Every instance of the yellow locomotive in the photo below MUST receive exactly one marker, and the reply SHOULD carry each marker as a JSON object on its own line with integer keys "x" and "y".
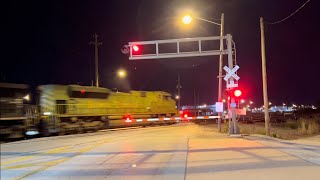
{"x": 74, "y": 108}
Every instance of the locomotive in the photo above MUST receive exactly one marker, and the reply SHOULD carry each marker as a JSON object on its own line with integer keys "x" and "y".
{"x": 65, "y": 109}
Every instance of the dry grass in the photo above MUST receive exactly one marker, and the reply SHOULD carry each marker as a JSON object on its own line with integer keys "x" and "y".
{"x": 292, "y": 129}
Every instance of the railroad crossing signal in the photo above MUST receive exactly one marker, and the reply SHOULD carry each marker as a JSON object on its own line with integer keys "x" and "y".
{"x": 231, "y": 72}
{"x": 157, "y": 52}
{"x": 133, "y": 47}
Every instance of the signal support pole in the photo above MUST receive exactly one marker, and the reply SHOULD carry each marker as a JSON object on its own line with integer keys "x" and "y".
{"x": 264, "y": 79}
{"x": 220, "y": 69}
{"x": 96, "y": 44}
{"x": 233, "y": 108}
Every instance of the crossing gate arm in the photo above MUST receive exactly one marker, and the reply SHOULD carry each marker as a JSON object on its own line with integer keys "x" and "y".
{"x": 179, "y": 52}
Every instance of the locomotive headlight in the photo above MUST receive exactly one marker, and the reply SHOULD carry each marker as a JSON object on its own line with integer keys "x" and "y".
{"x": 27, "y": 97}
{"x": 47, "y": 113}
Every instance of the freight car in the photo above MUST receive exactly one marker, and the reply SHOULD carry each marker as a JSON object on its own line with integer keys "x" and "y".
{"x": 75, "y": 109}
{"x": 15, "y": 110}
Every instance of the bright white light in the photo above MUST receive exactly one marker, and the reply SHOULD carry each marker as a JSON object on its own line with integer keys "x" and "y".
{"x": 27, "y": 97}
{"x": 177, "y": 97}
{"x": 243, "y": 101}
{"x": 251, "y": 102}
{"x": 32, "y": 133}
{"x": 187, "y": 19}
{"x": 47, "y": 113}
{"x": 270, "y": 103}
{"x": 223, "y": 100}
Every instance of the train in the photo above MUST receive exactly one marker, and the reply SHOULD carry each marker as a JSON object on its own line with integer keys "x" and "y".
{"x": 68, "y": 109}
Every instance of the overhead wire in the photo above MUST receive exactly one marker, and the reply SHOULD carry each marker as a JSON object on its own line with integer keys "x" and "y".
{"x": 282, "y": 20}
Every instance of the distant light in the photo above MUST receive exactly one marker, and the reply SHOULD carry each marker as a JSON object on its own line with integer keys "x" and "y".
{"x": 177, "y": 97}
{"x": 185, "y": 116}
{"x": 204, "y": 105}
{"x": 251, "y": 102}
{"x": 270, "y": 103}
{"x": 243, "y": 101}
{"x": 187, "y": 19}
{"x": 223, "y": 100}
{"x": 82, "y": 91}
{"x": 283, "y": 104}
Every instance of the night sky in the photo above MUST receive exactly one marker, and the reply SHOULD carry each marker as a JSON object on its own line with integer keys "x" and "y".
{"x": 47, "y": 42}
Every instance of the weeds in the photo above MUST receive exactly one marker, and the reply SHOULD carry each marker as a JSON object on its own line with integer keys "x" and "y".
{"x": 292, "y": 129}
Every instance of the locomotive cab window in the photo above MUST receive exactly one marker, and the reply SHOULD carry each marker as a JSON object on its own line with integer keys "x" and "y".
{"x": 166, "y": 98}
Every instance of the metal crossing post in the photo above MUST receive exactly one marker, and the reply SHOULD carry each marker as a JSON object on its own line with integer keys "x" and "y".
{"x": 232, "y": 104}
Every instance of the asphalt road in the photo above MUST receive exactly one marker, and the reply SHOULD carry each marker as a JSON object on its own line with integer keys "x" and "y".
{"x": 183, "y": 151}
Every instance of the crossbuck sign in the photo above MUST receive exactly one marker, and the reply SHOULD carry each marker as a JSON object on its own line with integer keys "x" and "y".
{"x": 231, "y": 73}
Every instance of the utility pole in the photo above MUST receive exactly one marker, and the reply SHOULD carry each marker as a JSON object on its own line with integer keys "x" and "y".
{"x": 198, "y": 102}
{"x": 179, "y": 96}
{"x": 264, "y": 79}
{"x": 220, "y": 69}
{"x": 96, "y": 44}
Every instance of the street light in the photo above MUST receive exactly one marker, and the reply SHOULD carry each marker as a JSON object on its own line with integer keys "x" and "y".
{"x": 187, "y": 19}
{"x": 122, "y": 73}
{"x": 251, "y": 102}
{"x": 177, "y": 97}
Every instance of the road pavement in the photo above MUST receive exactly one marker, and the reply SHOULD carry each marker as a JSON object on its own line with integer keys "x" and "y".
{"x": 183, "y": 151}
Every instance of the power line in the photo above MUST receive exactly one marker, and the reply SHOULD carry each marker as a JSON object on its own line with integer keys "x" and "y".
{"x": 280, "y": 21}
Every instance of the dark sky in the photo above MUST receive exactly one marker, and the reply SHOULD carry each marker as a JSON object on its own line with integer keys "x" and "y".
{"x": 47, "y": 42}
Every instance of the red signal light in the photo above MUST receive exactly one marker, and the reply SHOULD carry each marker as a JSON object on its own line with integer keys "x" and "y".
{"x": 82, "y": 91}
{"x": 237, "y": 93}
{"x": 127, "y": 119}
{"x": 135, "y": 48}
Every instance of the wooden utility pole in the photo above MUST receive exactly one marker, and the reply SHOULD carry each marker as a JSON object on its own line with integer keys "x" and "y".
{"x": 264, "y": 79}
{"x": 220, "y": 69}
{"x": 96, "y": 44}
